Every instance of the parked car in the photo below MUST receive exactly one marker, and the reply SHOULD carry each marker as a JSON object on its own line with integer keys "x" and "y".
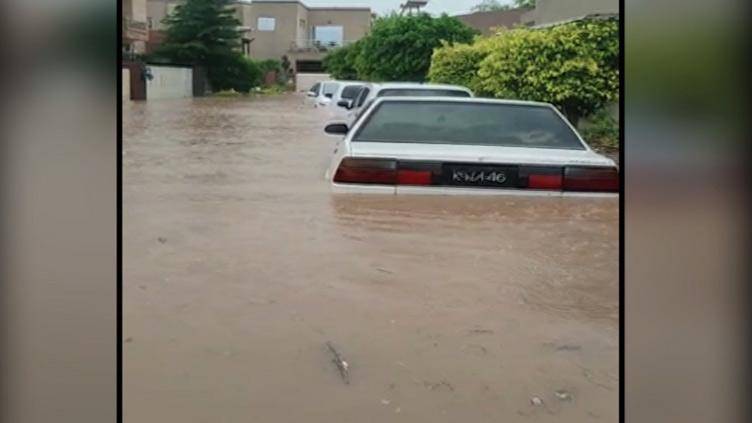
{"x": 345, "y": 96}
{"x": 440, "y": 145}
{"x": 402, "y": 89}
{"x": 325, "y": 93}
{"x": 343, "y": 99}
{"x": 314, "y": 92}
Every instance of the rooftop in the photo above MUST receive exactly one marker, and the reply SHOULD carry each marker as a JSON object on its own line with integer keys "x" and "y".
{"x": 319, "y": 7}
{"x": 484, "y": 21}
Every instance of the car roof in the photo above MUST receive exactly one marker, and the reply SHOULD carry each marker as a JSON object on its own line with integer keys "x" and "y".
{"x": 413, "y": 85}
{"x": 351, "y": 82}
{"x": 475, "y": 100}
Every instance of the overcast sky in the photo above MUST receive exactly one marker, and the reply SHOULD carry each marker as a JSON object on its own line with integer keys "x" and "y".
{"x": 381, "y": 7}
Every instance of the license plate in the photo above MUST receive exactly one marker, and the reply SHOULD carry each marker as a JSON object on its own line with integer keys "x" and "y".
{"x": 481, "y": 176}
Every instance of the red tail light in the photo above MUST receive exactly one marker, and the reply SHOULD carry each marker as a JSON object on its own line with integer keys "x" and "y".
{"x": 379, "y": 171}
{"x": 367, "y": 171}
{"x": 553, "y": 181}
{"x": 414, "y": 177}
{"x": 604, "y": 179}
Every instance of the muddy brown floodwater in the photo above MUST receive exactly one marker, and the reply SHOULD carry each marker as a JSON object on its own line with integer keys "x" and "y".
{"x": 240, "y": 266}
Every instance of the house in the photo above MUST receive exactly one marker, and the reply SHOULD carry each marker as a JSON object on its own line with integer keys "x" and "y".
{"x": 552, "y": 12}
{"x": 134, "y": 27}
{"x": 156, "y": 11}
{"x": 486, "y": 22}
{"x": 545, "y": 13}
{"x": 276, "y": 28}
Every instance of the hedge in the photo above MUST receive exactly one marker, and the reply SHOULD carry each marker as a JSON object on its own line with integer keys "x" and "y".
{"x": 574, "y": 66}
{"x": 459, "y": 63}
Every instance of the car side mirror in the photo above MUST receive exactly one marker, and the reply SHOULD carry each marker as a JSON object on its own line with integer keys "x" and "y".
{"x": 337, "y": 129}
{"x": 328, "y": 95}
{"x": 347, "y": 104}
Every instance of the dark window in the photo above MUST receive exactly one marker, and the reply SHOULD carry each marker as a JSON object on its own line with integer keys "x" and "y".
{"x": 315, "y": 88}
{"x": 420, "y": 92}
{"x": 350, "y": 92}
{"x": 330, "y": 88}
{"x": 504, "y": 125}
{"x": 309, "y": 66}
{"x": 362, "y": 97}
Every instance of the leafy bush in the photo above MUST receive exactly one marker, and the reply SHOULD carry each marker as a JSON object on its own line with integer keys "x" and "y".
{"x": 574, "y": 66}
{"x": 399, "y": 48}
{"x": 458, "y": 64}
{"x": 340, "y": 63}
{"x": 601, "y": 131}
{"x": 269, "y": 65}
{"x": 234, "y": 72}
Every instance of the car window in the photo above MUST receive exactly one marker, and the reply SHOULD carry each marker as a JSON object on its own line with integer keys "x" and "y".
{"x": 330, "y": 88}
{"x": 363, "y": 109}
{"x": 422, "y": 92}
{"x": 315, "y": 88}
{"x": 351, "y": 91}
{"x": 362, "y": 97}
{"x": 505, "y": 125}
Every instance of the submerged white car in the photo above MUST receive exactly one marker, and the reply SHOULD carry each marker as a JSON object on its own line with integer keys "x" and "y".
{"x": 440, "y": 145}
{"x": 372, "y": 91}
{"x": 343, "y": 98}
{"x": 321, "y": 94}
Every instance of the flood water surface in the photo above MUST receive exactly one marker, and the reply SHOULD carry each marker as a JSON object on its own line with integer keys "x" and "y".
{"x": 240, "y": 266}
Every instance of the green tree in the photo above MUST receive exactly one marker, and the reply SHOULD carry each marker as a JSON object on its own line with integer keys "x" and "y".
{"x": 399, "y": 48}
{"x": 205, "y": 32}
{"x": 340, "y": 63}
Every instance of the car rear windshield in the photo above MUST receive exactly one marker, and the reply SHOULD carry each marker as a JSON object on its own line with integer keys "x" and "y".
{"x": 421, "y": 92}
{"x": 351, "y": 91}
{"x": 503, "y": 125}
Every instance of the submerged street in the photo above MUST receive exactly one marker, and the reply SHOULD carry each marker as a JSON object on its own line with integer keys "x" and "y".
{"x": 239, "y": 266}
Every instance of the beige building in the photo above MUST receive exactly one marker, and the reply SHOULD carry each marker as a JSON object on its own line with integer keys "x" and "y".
{"x": 135, "y": 28}
{"x": 545, "y": 13}
{"x": 488, "y": 22}
{"x": 276, "y": 28}
{"x": 549, "y": 12}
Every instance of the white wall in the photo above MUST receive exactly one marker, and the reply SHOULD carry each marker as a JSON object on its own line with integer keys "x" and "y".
{"x": 304, "y": 81}
{"x": 126, "y": 93}
{"x": 169, "y": 82}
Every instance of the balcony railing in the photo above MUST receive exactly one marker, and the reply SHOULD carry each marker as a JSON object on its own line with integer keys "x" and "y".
{"x": 301, "y": 46}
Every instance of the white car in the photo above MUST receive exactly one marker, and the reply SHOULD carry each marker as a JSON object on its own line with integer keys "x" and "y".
{"x": 343, "y": 98}
{"x": 323, "y": 92}
{"x": 401, "y": 89}
{"x": 440, "y": 145}
{"x": 313, "y": 93}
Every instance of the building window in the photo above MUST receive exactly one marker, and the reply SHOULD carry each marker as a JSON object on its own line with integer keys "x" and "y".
{"x": 266, "y": 24}
{"x": 328, "y": 35}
